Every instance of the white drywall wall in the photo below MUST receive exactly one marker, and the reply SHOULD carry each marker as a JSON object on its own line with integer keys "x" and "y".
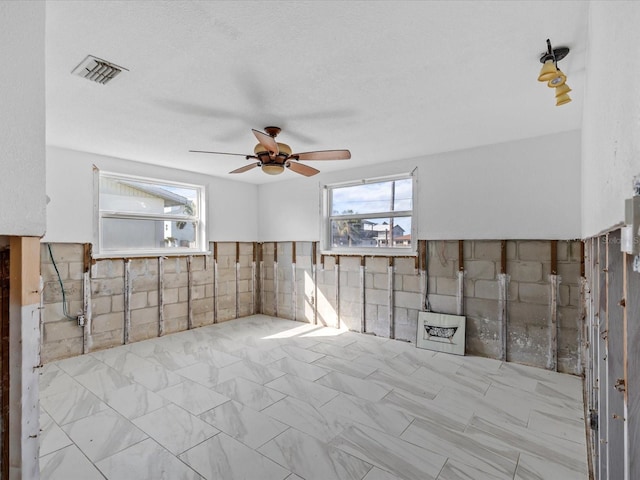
{"x": 22, "y": 118}
{"x": 231, "y": 206}
{"x": 611, "y": 121}
{"x": 528, "y": 189}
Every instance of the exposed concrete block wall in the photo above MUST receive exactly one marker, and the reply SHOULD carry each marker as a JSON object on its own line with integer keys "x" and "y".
{"x": 284, "y": 279}
{"x": 305, "y": 284}
{"x": 408, "y": 298}
{"x": 62, "y": 337}
{"x": 326, "y": 304}
{"x": 350, "y": 296}
{"x": 268, "y": 285}
{"x": 201, "y": 290}
{"x": 188, "y": 297}
{"x": 528, "y": 266}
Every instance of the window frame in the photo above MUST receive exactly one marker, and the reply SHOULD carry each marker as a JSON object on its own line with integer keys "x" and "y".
{"x": 199, "y": 218}
{"x": 326, "y": 218}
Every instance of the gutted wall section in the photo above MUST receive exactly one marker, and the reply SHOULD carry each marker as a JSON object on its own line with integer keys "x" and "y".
{"x": 128, "y": 300}
{"x": 527, "y": 293}
{"x": 521, "y": 297}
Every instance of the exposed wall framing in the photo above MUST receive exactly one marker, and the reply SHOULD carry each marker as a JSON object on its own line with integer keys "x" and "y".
{"x": 503, "y": 287}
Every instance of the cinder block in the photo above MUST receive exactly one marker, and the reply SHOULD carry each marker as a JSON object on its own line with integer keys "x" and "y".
{"x": 443, "y": 304}
{"x": 570, "y": 273}
{"x": 381, "y": 281}
{"x": 143, "y": 332}
{"x": 117, "y": 303}
{"x": 197, "y": 292}
{"x": 175, "y": 310}
{"x": 563, "y": 251}
{"x": 353, "y": 278}
{"x": 534, "y": 293}
{"x": 107, "y": 269}
{"x": 486, "y": 250}
{"x": 512, "y": 250}
{"x": 144, "y": 315}
{"x": 377, "y": 297}
{"x": 152, "y": 298}
{"x": 405, "y": 266}
{"x": 408, "y": 283}
{"x": 440, "y": 267}
{"x": 174, "y": 280}
{"x": 525, "y": 271}
{"x": 446, "y": 286}
{"x": 105, "y": 340}
{"x": 49, "y": 274}
{"x": 69, "y": 347}
{"x": 482, "y": 337}
{"x": 175, "y": 324}
{"x": 486, "y": 289}
{"x": 107, "y": 287}
{"x": 377, "y": 264}
{"x": 138, "y": 300}
{"x": 107, "y": 322}
{"x": 144, "y": 283}
{"x": 480, "y": 269}
{"x": 53, "y": 293}
{"x": 244, "y": 286}
{"x": 574, "y": 295}
{"x": 63, "y": 252}
{"x": 143, "y": 266}
{"x": 528, "y": 344}
{"x": 408, "y": 300}
{"x": 481, "y": 308}
{"x": 568, "y": 319}
{"x": 63, "y": 329}
{"x": 202, "y": 277}
{"x": 183, "y": 294}
{"x": 528, "y": 314}
{"x": 202, "y": 305}
{"x": 227, "y": 248}
{"x": 76, "y": 270}
{"x": 54, "y": 312}
{"x": 563, "y": 295}
{"x": 197, "y": 263}
{"x": 539, "y": 250}
{"x": 101, "y": 305}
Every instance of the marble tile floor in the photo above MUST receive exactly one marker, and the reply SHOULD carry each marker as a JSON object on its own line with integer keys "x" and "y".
{"x": 262, "y": 398}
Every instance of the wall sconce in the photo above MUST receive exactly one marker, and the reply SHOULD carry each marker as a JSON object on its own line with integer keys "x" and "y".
{"x": 551, "y": 74}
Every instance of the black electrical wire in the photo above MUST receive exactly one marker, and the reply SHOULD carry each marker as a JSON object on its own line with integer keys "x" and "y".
{"x": 64, "y": 296}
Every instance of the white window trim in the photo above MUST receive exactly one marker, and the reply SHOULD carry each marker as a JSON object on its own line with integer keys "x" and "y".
{"x": 325, "y": 216}
{"x": 149, "y": 252}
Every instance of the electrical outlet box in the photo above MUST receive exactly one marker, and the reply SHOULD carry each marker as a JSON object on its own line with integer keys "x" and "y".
{"x": 630, "y": 239}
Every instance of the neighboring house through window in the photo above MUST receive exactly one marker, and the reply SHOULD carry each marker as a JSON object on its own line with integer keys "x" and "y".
{"x": 137, "y": 216}
{"x": 372, "y": 216}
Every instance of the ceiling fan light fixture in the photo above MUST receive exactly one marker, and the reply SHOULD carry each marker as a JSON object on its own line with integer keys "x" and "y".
{"x": 273, "y": 168}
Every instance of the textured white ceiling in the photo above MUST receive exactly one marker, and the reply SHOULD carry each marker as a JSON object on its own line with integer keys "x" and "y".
{"x": 387, "y": 80}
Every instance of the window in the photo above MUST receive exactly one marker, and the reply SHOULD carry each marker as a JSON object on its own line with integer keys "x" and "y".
{"x": 145, "y": 216}
{"x": 373, "y": 216}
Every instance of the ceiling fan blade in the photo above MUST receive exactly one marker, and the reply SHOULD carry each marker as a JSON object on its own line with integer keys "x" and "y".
{"x": 245, "y": 168}
{"x": 302, "y": 169}
{"x": 267, "y": 141}
{"x": 222, "y": 153}
{"x": 324, "y": 155}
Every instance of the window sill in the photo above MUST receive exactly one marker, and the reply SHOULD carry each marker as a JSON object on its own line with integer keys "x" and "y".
{"x": 149, "y": 254}
{"x": 370, "y": 252}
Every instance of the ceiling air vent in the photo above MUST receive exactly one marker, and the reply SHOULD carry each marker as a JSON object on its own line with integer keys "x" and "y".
{"x": 97, "y": 70}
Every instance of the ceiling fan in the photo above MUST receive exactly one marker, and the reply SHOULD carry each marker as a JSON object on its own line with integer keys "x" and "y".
{"x": 273, "y": 157}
